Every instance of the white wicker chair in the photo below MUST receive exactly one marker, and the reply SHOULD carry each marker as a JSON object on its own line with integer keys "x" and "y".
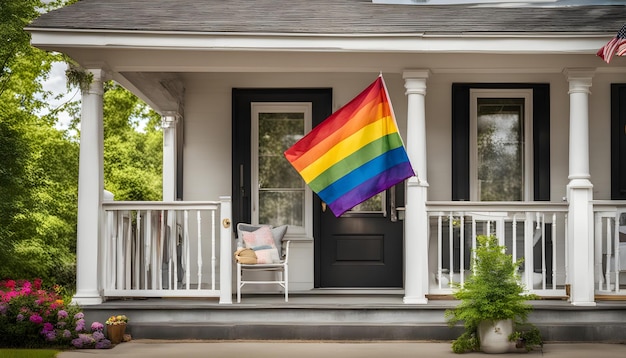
{"x": 281, "y": 268}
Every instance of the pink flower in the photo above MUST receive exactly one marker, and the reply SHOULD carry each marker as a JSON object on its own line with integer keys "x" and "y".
{"x": 50, "y": 335}
{"x": 97, "y": 326}
{"x": 80, "y": 325}
{"x": 36, "y": 319}
{"x": 62, "y": 314}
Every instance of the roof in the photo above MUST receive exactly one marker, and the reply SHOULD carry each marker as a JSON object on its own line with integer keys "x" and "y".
{"x": 350, "y": 17}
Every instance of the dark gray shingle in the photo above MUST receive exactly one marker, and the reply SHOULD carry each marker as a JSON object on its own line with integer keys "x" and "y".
{"x": 326, "y": 17}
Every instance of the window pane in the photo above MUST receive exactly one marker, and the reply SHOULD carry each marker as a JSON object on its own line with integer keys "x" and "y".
{"x": 500, "y": 149}
{"x": 281, "y": 190}
{"x": 278, "y": 132}
{"x": 280, "y": 208}
{"x": 375, "y": 203}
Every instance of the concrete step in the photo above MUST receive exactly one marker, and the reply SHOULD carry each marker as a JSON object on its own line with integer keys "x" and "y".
{"x": 343, "y": 318}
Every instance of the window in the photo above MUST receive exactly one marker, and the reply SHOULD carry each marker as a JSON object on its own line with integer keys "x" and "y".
{"x": 500, "y": 144}
{"x": 279, "y": 195}
{"x": 532, "y": 135}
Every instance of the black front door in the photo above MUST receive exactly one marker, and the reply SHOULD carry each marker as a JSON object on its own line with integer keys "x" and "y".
{"x": 361, "y": 249}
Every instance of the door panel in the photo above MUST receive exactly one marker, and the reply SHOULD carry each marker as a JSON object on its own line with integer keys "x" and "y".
{"x": 361, "y": 250}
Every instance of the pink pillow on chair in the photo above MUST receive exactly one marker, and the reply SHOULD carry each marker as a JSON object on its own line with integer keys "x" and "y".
{"x": 262, "y": 242}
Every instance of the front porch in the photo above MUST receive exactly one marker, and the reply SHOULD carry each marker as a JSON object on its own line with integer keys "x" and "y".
{"x": 343, "y": 316}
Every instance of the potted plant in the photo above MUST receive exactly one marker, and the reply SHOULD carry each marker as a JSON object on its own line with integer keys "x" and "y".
{"x": 493, "y": 305}
{"x": 116, "y": 328}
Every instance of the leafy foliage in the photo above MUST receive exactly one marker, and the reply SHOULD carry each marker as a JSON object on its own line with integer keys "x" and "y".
{"x": 39, "y": 161}
{"x": 133, "y": 160}
{"x": 492, "y": 293}
{"x": 38, "y": 164}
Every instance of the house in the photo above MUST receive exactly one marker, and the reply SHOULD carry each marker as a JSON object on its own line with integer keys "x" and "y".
{"x": 513, "y": 125}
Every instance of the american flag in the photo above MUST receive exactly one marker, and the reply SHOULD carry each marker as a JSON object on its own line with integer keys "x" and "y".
{"x": 616, "y": 46}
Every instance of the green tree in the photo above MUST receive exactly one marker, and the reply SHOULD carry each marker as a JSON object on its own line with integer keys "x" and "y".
{"x": 38, "y": 163}
{"x": 132, "y": 157}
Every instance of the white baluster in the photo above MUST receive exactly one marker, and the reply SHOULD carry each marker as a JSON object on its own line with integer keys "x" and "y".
{"x": 609, "y": 252}
{"x": 451, "y": 247}
{"x": 119, "y": 259}
{"x": 439, "y": 248}
{"x": 542, "y": 217}
{"x": 137, "y": 276}
{"x": 617, "y": 256}
{"x": 554, "y": 222}
{"x": 162, "y": 242}
{"x": 128, "y": 253}
{"x": 199, "y": 218}
{"x": 213, "y": 254}
{"x": 529, "y": 265}
{"x": 186, "y": 249}
{"x": 462, "y": 241}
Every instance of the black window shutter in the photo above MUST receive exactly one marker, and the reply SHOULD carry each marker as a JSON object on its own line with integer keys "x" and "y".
{"x": 618, "y": 141}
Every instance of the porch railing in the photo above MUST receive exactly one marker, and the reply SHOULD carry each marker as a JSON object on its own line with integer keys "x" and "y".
{"x": 159, "y": 249}
{"x": 533, "y": 231}
{"x": 610, "y": 247}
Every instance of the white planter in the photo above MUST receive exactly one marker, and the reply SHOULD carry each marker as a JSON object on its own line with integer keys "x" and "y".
{"x": 494, "y": 336}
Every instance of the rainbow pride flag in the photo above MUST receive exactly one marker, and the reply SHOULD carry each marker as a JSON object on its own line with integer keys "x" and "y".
{"x": 355, "y": 153}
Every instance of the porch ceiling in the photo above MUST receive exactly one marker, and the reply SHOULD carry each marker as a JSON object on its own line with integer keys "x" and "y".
{"x": 163, "y": 91}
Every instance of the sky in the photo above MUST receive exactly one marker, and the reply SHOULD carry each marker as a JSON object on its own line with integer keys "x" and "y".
{"x": 56, "y": 83}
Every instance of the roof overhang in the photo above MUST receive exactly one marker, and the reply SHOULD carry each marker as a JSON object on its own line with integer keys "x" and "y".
{"x": 498, "y": 43}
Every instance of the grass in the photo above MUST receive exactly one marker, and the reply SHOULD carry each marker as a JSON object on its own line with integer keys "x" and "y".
{"x": 28, "y": 353}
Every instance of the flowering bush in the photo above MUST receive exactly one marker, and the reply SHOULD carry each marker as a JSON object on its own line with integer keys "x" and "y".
{"x": 31, "y": 316}
{"x": 95, "y": 339}
{"x": 117, "y": 320}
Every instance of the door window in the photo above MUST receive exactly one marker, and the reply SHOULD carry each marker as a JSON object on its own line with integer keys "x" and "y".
{"x": 279, "y": 195}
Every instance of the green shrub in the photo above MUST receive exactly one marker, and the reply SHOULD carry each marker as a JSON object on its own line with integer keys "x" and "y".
{"x": 492, "y": 293}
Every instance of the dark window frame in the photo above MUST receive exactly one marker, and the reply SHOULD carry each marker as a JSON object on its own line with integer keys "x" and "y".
{"x": 618, "y": 141}
{"x": 241, "y": 135}
{"x": 461, "y": 137}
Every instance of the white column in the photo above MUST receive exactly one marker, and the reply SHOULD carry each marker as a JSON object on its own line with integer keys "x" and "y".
{"x": 169, "y": 123}
{"x": 90, "y": 192}
{"x": 416, "y": 220}
{"x": 580, "y": 192}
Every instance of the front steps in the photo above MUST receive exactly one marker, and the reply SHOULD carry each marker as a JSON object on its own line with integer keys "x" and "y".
{"x": 342, "y": 318}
